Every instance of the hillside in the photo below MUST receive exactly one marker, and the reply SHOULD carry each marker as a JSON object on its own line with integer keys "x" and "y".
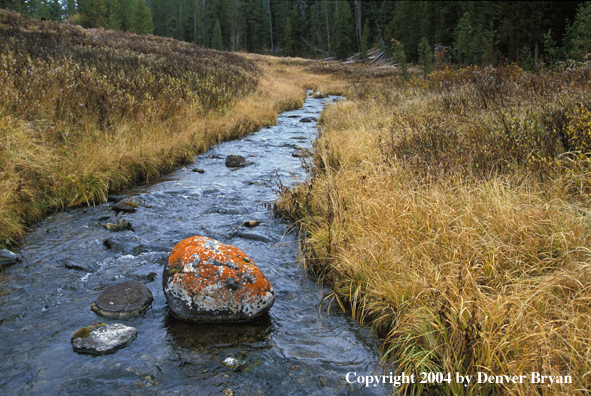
{"x": 86, "y": 112}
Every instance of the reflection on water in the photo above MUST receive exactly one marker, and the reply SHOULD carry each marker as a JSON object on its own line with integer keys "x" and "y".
{"x": 291, "y": 351}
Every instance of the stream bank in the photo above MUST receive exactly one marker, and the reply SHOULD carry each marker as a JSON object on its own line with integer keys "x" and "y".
{"x": 70, "y": 257}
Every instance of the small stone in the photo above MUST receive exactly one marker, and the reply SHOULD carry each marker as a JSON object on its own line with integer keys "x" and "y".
{"x": 125, "y": 243}
{"x": 125, "y": 206}
{"x": 9, "y": 258}
{"x": 301, "y": 153}
{"x": 232, "y": 363}
{"x": 235, "y": 161}
{"x": 254, "y": 237}
{"x": 100, "y": 339}
{"x": 123, "y": 300}
{"x": 120, "y": 225}
{"x": 251, "y": 223}
{"x": 227, "y": 392}
{"x": 198, "y": 170}
{"x": 86, "y": 267}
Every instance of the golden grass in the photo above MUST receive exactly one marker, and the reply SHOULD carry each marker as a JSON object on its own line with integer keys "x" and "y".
{"x": 71, "y": 135}
{"x": 462, "y": 265}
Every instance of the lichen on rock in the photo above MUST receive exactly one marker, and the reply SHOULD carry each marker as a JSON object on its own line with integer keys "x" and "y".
{"x": 206, "y": 280}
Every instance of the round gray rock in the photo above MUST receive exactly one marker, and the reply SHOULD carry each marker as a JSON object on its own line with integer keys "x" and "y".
{"x": 123, "y": 300}
{"x": 100, "y": 339}
{"x": 235, "y": 161}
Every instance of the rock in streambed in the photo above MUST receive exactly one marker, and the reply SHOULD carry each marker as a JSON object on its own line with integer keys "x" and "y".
{"x": 236, "y": 161}
{"x": 207, "y": 281}
{"x": 8, "y": 258}
{"x": 100, "y": 339}
{"x": 123, "y": 300}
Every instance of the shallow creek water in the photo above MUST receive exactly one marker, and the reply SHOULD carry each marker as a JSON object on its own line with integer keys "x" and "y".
{"x": 294, "y": 350}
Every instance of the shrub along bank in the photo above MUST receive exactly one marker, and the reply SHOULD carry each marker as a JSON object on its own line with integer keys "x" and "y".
{"x": 453, "y": 214}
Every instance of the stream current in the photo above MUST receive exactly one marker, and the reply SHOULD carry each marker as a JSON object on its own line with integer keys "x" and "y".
{"x": 297, "y": 349}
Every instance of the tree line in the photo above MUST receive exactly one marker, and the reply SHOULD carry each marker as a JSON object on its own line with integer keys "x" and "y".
{"x": 465, "y": 32}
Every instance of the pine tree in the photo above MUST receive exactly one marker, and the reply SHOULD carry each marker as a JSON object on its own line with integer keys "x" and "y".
{"x": 527, "y": 60}
{"x": 581, "y": 40}
{"x": 425, "y": 56}
{"x": 365, "y": 40}
{"x": 126, "y": 12}
{"x": 113, "y": 22}
{"x": 550, "y": 50}
{"x": 344, "y": 31}
{"x": 54, "y": 10}
{"x": 217, "y": 42}
{"x": 464, "y": 40}
{"x": 400, "y": 56}
{"x": 289, "y": 37}
{"x": 142, "y": 19}
{"x": 96, "y": 14}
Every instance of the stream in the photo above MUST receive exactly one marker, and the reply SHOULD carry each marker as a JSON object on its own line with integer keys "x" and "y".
{"x": 298, "y": 348}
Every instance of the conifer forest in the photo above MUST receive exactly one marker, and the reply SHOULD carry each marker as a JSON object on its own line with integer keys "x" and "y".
{"x": 467, "y": 32}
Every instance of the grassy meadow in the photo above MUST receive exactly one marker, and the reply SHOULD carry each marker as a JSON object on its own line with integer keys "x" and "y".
{"x": 453, "y": 214}
{"x": 88, "y": 112}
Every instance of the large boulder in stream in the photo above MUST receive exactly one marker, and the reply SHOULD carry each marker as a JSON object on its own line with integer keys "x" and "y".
{"x": 207, "y": 281}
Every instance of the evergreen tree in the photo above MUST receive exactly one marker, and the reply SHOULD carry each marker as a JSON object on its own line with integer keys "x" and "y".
{"x": 425, "y": 57}
{"x": 289, "y": 37}
{"x": 254, "y": 25}
{"x": 581, "y": 40}
{"x": 344, "y": 31}
{"x": 527, "y": 59}
{"x": 400, "y": 56}
{"x": 365, "y": 40}
{"x": 142, "y": 19}
{"x": 550, "y": 49}
{"x": 113, "y": 22}
{"x": 464, "y": 40}
{"x": 54, "y": 10}
{"x": 70, "y": 7}
{"x": 96, "y": 14}
{"x": 217, "y": 42}
{"x": 126, "y": 12}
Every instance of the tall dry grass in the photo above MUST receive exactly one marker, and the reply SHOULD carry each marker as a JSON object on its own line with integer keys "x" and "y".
{"x": 88, "y": 112}
{"x": 448, "y": 213}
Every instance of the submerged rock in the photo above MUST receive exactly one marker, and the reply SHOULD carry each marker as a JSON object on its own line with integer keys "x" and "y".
{"x": 125, "y": 244}
{"x": 232, "y": 363}
{"x": 235, "y": 161}
{"x": 301, "y": 153}
{"x": 123, "y": 300}
{"x": 9, "y": 258}
{"x": 207, "y": 281}
{"x": 309, "y": 119}
{"x": 120, "y": 225}
{"x": 199, "y": 170}
{"x": 100, "y": 339}
{"x": 85, "y": 266}
{"x": 125, "y": 206}
{"x": 251, "y": 223}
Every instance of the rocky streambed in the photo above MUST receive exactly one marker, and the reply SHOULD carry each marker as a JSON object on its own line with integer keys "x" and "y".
{"x": 70, "y": 258}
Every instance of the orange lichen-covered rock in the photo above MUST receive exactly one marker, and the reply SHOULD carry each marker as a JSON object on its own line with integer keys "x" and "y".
{"x": 206, "y": 281}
